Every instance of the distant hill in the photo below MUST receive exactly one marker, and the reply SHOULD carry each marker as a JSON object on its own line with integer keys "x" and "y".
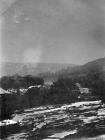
{"x": 52, "y": 71}
{"x": 96, "y": 66}
{"x": 9, "y": 68}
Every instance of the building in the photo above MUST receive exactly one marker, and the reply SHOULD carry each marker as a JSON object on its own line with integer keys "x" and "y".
{"x": 4, "y": 92}
{"x": 84, "y": 90}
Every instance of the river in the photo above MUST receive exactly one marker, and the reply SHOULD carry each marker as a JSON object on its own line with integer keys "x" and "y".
{"x": 76, "y": 121}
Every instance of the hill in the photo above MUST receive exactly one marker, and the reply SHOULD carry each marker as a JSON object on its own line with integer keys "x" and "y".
{"x": 52, "y": 71}
{"x": 9, "y": 68}
{"x": 96, "y": 66}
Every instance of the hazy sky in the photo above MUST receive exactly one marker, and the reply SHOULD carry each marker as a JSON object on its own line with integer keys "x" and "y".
{"x": 62, "y": 31}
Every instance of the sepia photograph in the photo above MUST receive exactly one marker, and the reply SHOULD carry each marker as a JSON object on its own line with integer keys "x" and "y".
{"x": 52, "y": 69}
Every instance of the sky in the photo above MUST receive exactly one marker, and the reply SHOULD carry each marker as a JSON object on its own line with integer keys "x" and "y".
{"x": 58, "y": 31}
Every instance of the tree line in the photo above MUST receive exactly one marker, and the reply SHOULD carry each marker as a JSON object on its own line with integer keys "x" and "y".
{"x": 16, "y": 81}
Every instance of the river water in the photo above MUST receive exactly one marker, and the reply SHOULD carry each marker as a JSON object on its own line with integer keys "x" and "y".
{"x": 76, "y": 121}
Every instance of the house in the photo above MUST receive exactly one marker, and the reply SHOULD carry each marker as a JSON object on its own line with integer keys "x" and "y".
{"x": 36, "y": 86}
{"x": 4, "y": 92}
{"x": 82, "y": 90}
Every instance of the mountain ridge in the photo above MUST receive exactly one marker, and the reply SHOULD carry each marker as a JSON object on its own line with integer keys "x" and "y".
{"x": 9, "y": 68}
{"x": 97, "y": 66}
{"x": 60, "y": 69}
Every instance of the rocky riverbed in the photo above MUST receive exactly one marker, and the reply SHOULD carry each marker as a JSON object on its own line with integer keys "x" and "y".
{"x": 76, "y": 121}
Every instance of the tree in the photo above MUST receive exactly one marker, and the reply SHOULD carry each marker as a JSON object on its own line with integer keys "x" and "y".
{"x": 29, "y": 80}
{"x": 6, "y": 82}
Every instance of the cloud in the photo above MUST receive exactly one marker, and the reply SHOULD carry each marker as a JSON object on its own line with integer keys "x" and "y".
{"x": 32, "y": 55}
{"x": 59, "y": 23}
{"x": 0, "y": 39}
{"x": 5, "y": 5}
{"x": 98, "y": 34}
{"x": 16, "y": 21}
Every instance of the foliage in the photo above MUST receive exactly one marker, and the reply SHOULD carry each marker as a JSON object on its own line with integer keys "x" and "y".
{"x": 16, "y": 81}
